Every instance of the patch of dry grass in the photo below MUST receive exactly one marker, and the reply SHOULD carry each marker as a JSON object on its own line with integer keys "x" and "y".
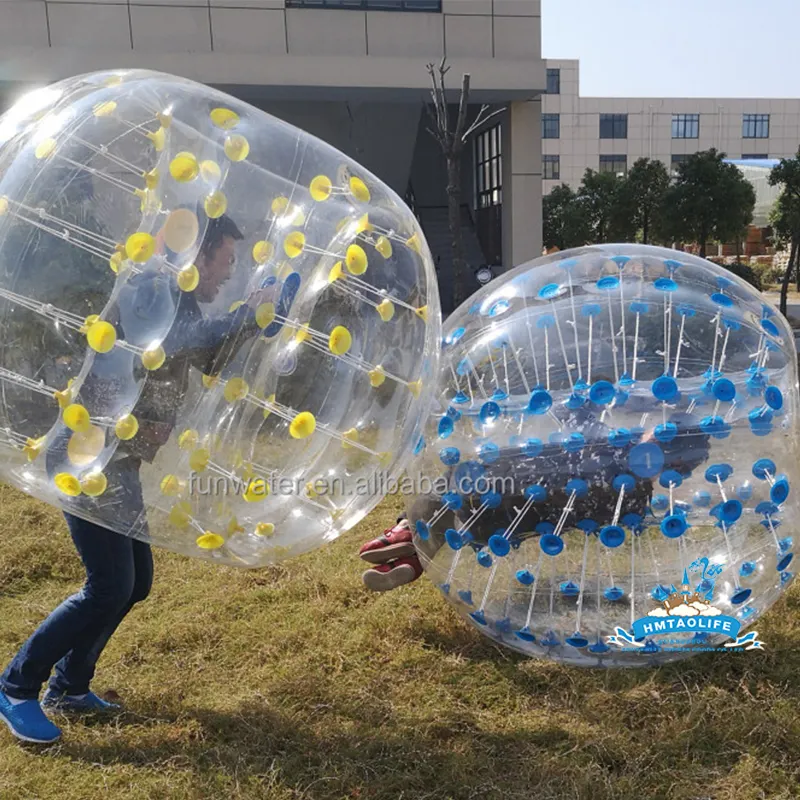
{"x": 295, "y": 682}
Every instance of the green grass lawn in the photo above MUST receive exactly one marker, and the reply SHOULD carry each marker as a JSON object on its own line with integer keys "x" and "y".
{"x": 295, "y": 682}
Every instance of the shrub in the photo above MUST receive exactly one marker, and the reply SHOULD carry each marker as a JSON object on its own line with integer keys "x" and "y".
{"x": 749, "y": 274}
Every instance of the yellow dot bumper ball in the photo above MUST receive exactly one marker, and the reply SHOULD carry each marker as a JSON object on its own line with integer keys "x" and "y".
{"x": 211, "y": 310}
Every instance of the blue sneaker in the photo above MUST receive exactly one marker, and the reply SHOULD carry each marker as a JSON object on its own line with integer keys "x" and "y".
{"x": 88, "y": 704}
{"x": 27, "y": 721}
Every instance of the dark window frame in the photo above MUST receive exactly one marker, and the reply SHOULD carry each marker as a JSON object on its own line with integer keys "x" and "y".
{"x": 551, "y": 122}
{"x": 554, "y": 87}
{"x": 489, "y": 168}
{"x": 554, "y": 160}
{"x": 755, "y": 126}
{"x": 686, "y": 126}
{"x": 425, "y": 6}
{"x": 607, "y": 161}
{"x": 613, "y": 126}
{"x": 755, "y": 157}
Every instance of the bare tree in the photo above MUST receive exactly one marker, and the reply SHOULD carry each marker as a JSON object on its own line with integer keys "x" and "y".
{"x": 452, "y": 139}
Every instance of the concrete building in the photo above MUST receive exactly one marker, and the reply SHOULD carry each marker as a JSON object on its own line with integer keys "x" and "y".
{"x": 609, "y": 134}
{"x": 353, "y": 72}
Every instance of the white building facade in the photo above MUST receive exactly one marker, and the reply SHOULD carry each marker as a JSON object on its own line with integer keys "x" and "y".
{"x": 610, "y": 134}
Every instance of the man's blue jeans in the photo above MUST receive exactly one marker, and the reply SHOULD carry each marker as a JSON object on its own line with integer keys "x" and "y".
{"x": 119, "y": 573}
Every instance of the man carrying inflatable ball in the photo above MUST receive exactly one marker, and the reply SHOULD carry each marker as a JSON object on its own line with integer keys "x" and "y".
{"x": 394, "y": 553}
{"x": 119, "y": 569}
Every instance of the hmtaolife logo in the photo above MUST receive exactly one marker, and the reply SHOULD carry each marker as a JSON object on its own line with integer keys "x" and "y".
{"x": 684, "y": 611}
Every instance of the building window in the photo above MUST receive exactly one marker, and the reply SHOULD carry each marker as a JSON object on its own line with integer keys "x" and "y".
{"x": 551, "y": 126}
{"x": 552, "y": 167}
{"x": 678, "y": 158}
{"x": 613, "y": 126}
{"x": 370, "y": 5}
{"x": 754, "y": 156}
{"x": 685, "y": 126}
{"x": 614, "y": 164}
{"x": 553, "y": 81}
{"x": 755, "y": 126}
{"x": 488, "y": 168}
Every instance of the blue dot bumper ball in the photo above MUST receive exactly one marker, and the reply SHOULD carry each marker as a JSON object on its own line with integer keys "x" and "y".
{"x": 611, "y": 463}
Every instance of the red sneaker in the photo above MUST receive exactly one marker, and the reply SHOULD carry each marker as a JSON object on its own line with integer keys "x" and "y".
{"x": 386, "y": 577}
{"x": 395, "y": 543}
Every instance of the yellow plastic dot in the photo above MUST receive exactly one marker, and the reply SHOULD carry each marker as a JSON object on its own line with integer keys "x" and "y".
{"x": 234, "y": 305}
{"x": 385, "y": 458}
{"x": 76, "y": 418}
{"x": 363, "y": 225}
{"x": 188, "y": 278}
{"x": 262, "y": 252}
{"x": 236, "y": 147}
{"x": 336, "y": 513}
{"x": 285, "y": 271}
{"x": 422, "y": 313}
{"x": 188, "y": 439}
{"x": 210, "y": 381}
{"x": 112, "y": 80}
{"x": 94, "y": 484}
{"x": 415, "y": 387}
{"x": 198, "y": 460}
{"x": 140, "y": 247}
{"x": 335, "y": 273}
{"x": 180, "y": 515}
{"x": 215, "y": 204}
{"x": 89, "y": 321}
{"x": 414, "y": 244}
{"x": 181, "y": 230}
{"x": 257, "y": 490}
{"x": 101, "y": 336}
{"x": 184, "y": 167}
{"x": 224, "y": 118}
{"x": 3, "y": 206}
{"x": 210, "y": 541}
{"x": 302, "y": 425}
{"x": 158, "y": 138}
{"x": 359, "y": 190}
{"x": 386, "y": 309}
{"x": 150, "y": 201}
{"x": 153, "y": 358}
{"x": 33, "y": 447}
{"x": 115, "y": 262}
{"x": 64, "y": 396}
{"x": 356, "y": 260}
{"x": 67, "y": 484}
{"x": 311, "y": 490}
{"x": 294, "y": 243}
{"x": 270, "y": 400}
{"x": 171, "y": 485}
{"x": 349, "y": 437}
{"x": 340, "y": 340}
{"x": 279, "y": 205}
{"x": 164, "y": 118}
{"x": 126, "y": 427}
{"x": 235, "y": 389}
{"x": 85, "y": 446}
{"x": 384, "y": 247}
{"x": 45, "y": 148}
{"x": 377, "y": 377}
{"x": 105, "y": 109}
{"x": 210, "y": 171}
{"x": 265, "y": 314}
{"x": 321, "y": 188}
{"x": 265, "y": 529}
{"x": 151, "y": 178}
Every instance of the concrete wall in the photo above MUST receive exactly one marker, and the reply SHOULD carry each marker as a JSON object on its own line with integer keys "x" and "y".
{"x": 650, "y": 127}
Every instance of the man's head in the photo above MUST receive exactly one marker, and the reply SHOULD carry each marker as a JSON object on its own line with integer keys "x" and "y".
{"x": 216, "y": 257}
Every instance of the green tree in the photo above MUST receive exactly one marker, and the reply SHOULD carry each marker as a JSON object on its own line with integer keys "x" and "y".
{"x": 601, "y": 192}
{"x": 709, "y": 200}
{"x": 785, "y": 217}
{"x": 641, "y": 197}
{"x": 565, "y": 219}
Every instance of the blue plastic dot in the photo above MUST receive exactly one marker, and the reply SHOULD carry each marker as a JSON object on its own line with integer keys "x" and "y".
{"x": 544, "y": 527}
{"x": 764, "y": 467}
{"x": 637, "y": 432}
{"x": 671, "y": 264}
{"x": 670, "y": 476}
{"x": 499, "y": 545}
{"x": 779, "y": 490}
{"x": 453, "y": 413}
{"x": 423, "y": 529}
{"x": 454, "y": 539}
{"x": 568, "y": 263}
{"x": 445, "y": 588}
{"x": 723, "y": 282}
{"x": 745, "y": 491}
{"x": 499, "y": 394}
{"x": 639, "y": 307}
{"x": 484, "y": 559}
{"x": 524, "y": 576}
{"x": 452, "y": 500}
{"x": 491, "y": 499}
{"x": 587, "y": 526}
{"x": 498, "y": 308}
{"x": 740, "y": 595}
{"x": 531, "y": 447}
{"x": 613, "y": 594}
{"x": 721, "y": 300}
{"x": 525, "y": 634}
{"x": 646, "y": 460}
{"x": 660, "y": 502}
{"x": 715, "y": 426}
{"x": 632, "y": 521}
{"x": 602, "y": 392}
{"x": 626, "y": 481}
{"x": 446, "y": 426}
{"x": 761, "y": 430}
{"x": 551, "y": 544}
{"x": 599, "y": 648}
{"x": 704, "y": 586}
{"x": 767, "y": 509}
{"x": 465, "y": 595}
{"x": 685, "y": 311}
{"x": 608, "y": 283}
{"x": 591, "y": 309}
{"x": 673, "y": 526}
{"x": 545, "y": 321}
{"x": 489, "y": 412}
{"x": 769, "y": 327}
{"x": 664, "y": 388}
{"x": 479, "y": 617}
{"x": 574, "y": 442}
{"x": 454, "y": 336}
{"x": 721, "y": 471}
{"x": 786, "y": 577}
{"x": 730, "y": 511}
{"x": 760, "y": 417}
{"x": 665, "y": 285}
{"x": 666, "y": 432}
{"x": 620, "y": 261}
{"x": 550, "y": 640}
{"x": 489, "y": 453}
{"x": 540, "y": 402}
{"x": 747, "y": 569}
{"x": 577, "y": 640}
{"x": 660, "y": 593}
{"x": 537, "y": 492}
{"x": 724, "y": 390}
{"x": 612, "y": 535}
{"x": 549, "y": 291}
{"x": 574, "y": 401}
{"x": 773, "y": 398}
{"x": 620, "y": 437}
{"x": 419, "y": 447}
{"x": 569, "y": 589}
{"x": 577, "y": 485}
{"x": 785, "y": 544}
{"x": 702, "y": 498}
{"x": 450, "y": 456}
{"x": 461, "y": 397}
